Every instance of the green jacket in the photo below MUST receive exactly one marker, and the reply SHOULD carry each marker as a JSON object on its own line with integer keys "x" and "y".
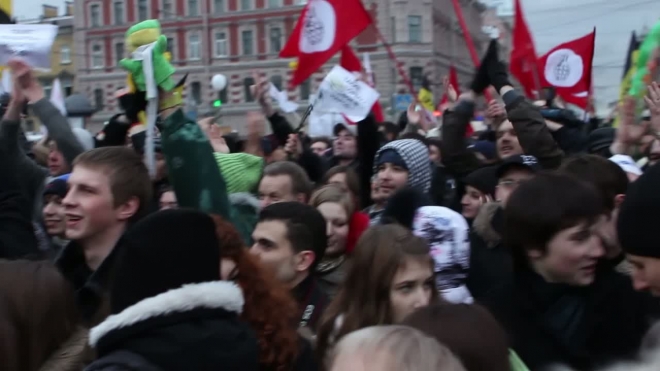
{"x": 194, "y": 173}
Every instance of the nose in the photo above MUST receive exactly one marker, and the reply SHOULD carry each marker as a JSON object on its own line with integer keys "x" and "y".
{"x": 421, "y": 298}
{"x": 48, "y": 209}
{"x": 254, "y": 250}
{"x": 69, "y": 200}
{"x": 329, "y": 228}
{"x": 265, "y": 202}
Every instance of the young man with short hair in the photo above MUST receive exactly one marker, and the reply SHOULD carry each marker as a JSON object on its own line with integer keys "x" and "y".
{"x": 109, "y": 188}
{"x": 612, "y": 183}
{"x": 562, "y": 305}
{"x": 290, "y": 239}
{"x": 284, "y": 181}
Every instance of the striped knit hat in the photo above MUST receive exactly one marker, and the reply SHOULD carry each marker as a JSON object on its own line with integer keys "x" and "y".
{"x": 241, "y": 171}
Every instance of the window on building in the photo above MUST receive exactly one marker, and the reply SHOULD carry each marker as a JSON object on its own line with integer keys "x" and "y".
{"x": 196, "y": 92}
{"x": 247, "y": 83}
{"x": 143, "y": 10}
{"x": 119, "y": 52}
{"x": 118, "y": 9}
{"x": 248, "y": 42}
{"x": 168, "y": 9}
{"x": 222, "y": 95}
{"x": 95, "y": 15}
{"x": 221, "y": 44}
{"x": 393, "y": 30}
{"x": 417, "y": 76}
{"x": 193, "y": 8}
{"x": 275, "y": 40}
{"x": 301, "y": 2}
{"x": 97, "y": 56}
{"x": 277, "y": 81}
{"x": 305, "y": 90}
{"x": 246, "y": 4}
{"x": 274, "y": 3}
{"x": 194, "y": 49}
{"x": 170, "y": 46}
{"x": 218, "y": 6}
{"x": 68, "y": 90}
{"x": 65, "y": 54}
{"x": 414, "y": 29}
{"x": 98, "y": 99}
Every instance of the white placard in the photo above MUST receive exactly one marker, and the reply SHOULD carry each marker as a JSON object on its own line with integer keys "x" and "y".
{"x": 341, "y": 92}
{"x": 30, "y": 42}
{"x": 282, "y": 99}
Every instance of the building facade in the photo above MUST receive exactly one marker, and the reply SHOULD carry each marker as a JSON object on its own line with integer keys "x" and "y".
{"x": 237, "y": 37}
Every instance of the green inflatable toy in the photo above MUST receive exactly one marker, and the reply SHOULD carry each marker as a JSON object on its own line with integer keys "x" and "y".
{"x": 138, "y": 37}
{"x": 642, "y": 75}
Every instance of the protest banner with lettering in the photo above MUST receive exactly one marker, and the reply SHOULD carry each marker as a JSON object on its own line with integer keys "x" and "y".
{"x": 30, "y": 42}
{"x": 341, "y": 92}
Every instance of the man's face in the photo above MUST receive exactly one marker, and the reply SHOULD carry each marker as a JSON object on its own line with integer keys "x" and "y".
{"x": 507, "y": 141}
{"x": 319, "y": 148}
{"x": 434, "y": 155}
{"x": 645, "y": 273}
{"x": 56, "y": 163}
{"x": 278, "y": 188}
{"x": 571, "y": 256}
{"x": 509, "y": 182}
{"x": 345, "y": 145}
{"x": 273, "y": 248}
{"x": 53, "y": 214}
{"x": 391, "y": 178}
{"x": 89, "y": 205}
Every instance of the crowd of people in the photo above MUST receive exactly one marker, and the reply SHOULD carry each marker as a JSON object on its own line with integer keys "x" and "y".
{"x": 392, "y": 246}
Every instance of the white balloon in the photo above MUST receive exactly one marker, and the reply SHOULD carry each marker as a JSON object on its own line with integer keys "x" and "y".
{"x": 219, "y": 82}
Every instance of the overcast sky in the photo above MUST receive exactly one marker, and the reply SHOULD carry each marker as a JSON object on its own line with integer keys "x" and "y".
{"x": 555, "y": 21}
{"x": 552, "y": 22}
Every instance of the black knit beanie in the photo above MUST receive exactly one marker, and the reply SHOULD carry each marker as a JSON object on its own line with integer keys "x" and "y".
{"x": 163, "y": 252}
{"x": 639, "y": 216}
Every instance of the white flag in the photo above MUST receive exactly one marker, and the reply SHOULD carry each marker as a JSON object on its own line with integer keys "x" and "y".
{"x": 341, "y": 92}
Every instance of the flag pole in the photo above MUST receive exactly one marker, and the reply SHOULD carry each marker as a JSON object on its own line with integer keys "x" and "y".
{"x": 468, "y": 39}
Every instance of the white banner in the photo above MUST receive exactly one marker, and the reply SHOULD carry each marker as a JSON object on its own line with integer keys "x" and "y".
{"x": 282, "y": 99}
{"x": 341, "y": 92}
{"x": 30, "y": 42}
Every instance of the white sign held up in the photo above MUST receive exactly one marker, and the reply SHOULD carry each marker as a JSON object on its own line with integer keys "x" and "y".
{"x": 282, "y": 100}
{"x": 341, "y": 92}
{"x": 29, "y": 42}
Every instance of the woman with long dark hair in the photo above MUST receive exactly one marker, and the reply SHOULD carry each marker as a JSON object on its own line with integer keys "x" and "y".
{"x": 391, "y": 275}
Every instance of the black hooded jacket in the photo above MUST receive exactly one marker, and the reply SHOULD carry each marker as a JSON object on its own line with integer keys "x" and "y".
{"x": 195, "y": 327}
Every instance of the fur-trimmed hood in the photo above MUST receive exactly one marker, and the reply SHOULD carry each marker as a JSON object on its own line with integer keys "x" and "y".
{"x": 194, "y": 327}
{"x": 483, "y": 224}
{"x": 212, "y": 295}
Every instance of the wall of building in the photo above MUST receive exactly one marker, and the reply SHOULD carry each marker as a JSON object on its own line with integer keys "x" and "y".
{"x": 422, "y": 47}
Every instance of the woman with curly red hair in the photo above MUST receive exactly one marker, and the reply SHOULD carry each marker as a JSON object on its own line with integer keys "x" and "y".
{"x": 269, "y": 307}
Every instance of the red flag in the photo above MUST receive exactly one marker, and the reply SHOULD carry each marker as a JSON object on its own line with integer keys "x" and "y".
{"x": 567, "y": 67}
{"x": 351, "y": 63}
{"x": 349, "y": 60}
{"x": 324, "y": 28}
{"x": 523, "y": 54}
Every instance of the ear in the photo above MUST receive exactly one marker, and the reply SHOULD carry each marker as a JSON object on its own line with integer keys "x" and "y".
{"x": 618, "y": 200}
{"x": 304, "y": 260}
{"x": 126, "y": 210}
